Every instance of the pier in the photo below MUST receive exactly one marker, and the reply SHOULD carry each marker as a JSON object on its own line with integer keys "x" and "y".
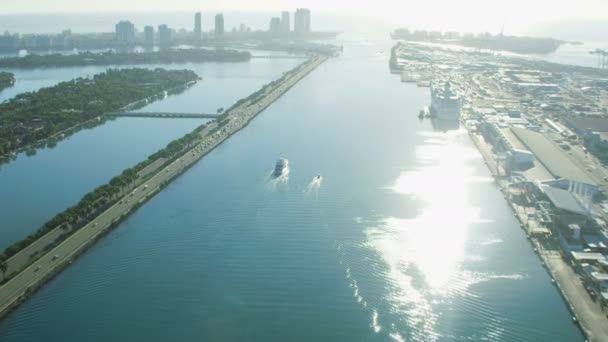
{"x": 164, "y": 115}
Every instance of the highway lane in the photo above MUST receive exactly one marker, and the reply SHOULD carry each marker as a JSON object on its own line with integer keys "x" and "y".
{"x": 36, "y": 274}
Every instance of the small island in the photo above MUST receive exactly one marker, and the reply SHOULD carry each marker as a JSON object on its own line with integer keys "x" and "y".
{"x": 32, "y": 117}
{"x": 170, "y": 56}
{"x": 487, "y": 41}
{"x": 7, "y": 80}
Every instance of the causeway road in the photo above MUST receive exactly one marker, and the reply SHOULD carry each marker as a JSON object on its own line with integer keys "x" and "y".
{"x": 23, "y": 284}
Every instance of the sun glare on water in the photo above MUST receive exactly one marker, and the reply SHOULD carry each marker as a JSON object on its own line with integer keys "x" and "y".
{"x": 425, "y": 254}
{"x": 435, "y": 240}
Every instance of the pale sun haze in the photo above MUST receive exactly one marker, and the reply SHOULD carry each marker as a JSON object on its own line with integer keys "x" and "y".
{"x": 435, "y": 10}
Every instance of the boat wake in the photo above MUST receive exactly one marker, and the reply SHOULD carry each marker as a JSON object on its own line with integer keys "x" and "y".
{"x": 281, "y": 181}
{"x": 313, "y": 187}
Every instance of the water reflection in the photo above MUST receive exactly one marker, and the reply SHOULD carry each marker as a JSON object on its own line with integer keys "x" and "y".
{"x": 426, "y": 254}
{"x": 443, "y": 125}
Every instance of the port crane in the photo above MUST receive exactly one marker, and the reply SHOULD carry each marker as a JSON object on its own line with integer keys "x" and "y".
{"x": 602, "y": 58}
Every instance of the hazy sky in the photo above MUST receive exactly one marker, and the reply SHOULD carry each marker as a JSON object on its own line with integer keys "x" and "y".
{"x": 445, "y": 14}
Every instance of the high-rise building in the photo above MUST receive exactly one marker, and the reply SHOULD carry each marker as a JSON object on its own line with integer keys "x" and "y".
{"x": 275, "y": 26}
{"x": 164, "y": 36}
{"x": 198, "y": 26}
{"x": 219, "y": 25}
{"x": 8, "y": 42}
{"x": 125, "y": 33}
{"x": 285, "y": 22}
{"x": 149, "y": 36}
{"x": 302, "y": 21}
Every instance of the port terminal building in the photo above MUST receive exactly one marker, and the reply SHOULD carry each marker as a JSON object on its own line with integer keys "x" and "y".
{"x": 558, "y": 193}
{"x": 532, "y": 157}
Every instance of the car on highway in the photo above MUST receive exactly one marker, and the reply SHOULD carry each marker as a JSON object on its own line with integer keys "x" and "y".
{"x": 37, "y": 268}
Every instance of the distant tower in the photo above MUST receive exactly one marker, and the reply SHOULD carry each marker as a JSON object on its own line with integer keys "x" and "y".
{"x": 198, "y": 26}
{"x": 219, "y": 25}
{"x": 302, "y": 22}
{"x": 164, "y": 36}
{"x": 275, "y": 26}
{"x": 285, "y": 23}
{"x": 125, "y": 33}
{"x": 149, "y": 36}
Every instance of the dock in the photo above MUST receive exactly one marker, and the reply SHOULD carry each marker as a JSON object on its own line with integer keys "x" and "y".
{"x": 589, "y": 317}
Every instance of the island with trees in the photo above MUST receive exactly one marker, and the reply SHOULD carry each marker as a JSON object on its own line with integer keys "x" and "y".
{"x": 487, "y": 41}
{"x": 7, "y": 80}
{"x": 170, "y": 56}
{"x": 47, "y": 113}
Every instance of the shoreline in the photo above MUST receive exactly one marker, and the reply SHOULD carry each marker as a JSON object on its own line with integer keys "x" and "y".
{"x": 554, "y": 265}
{"x": 20, "y": 287}
{"x": 41, "y": 144}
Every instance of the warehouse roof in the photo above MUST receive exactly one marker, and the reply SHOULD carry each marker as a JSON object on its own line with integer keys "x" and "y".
{"x": 552, "y": 158}
{"x": 593, "y": 123}
{"x": 563, "y": 199}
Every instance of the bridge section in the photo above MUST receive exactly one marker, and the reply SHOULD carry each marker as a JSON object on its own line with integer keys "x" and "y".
{"x": 164, "y": 115}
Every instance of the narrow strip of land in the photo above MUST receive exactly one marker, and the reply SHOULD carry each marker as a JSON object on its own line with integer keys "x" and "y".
{"x": 588, "y": 314}
{"x": 18, "y": 288}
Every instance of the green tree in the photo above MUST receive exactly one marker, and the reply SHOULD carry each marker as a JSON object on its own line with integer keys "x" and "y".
{"x": 3, "y": 264}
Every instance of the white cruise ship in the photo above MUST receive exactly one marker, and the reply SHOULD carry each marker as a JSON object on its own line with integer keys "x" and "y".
{"x": 445, "y": 103}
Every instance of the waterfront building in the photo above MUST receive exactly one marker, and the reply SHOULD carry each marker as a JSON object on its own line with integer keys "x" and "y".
{"x": 285, "y": 22}
{"x": 219, "y": 25}
{"x": 164, "y": 36}
{"x": 275, "y": 26}
{"x": 149, "y": 36}
{"x": 198, "y": 26}
{"x": 125, "y": 33}
{"x": 36, "y": 42}
{"x": 302, "y": 21}
{"x": 8, "y": 42}
{"x": 62, "y": 40}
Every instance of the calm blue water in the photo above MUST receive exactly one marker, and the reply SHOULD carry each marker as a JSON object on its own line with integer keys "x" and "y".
{"x": 34, "y": 189}
{"x": 406, "y": 238}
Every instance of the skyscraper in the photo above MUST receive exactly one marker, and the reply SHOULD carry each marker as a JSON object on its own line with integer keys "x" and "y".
{"x": 285, "y": 22}
{"x": 302, "y": 21}
{"x": 198, "y": 26}
{"x": 275, "y": 26}
{"x": 149, "y": 36}
{"x": 219, "y": 25}
{"x": 164, "y": 36}
{"x": 125, "y": 33}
